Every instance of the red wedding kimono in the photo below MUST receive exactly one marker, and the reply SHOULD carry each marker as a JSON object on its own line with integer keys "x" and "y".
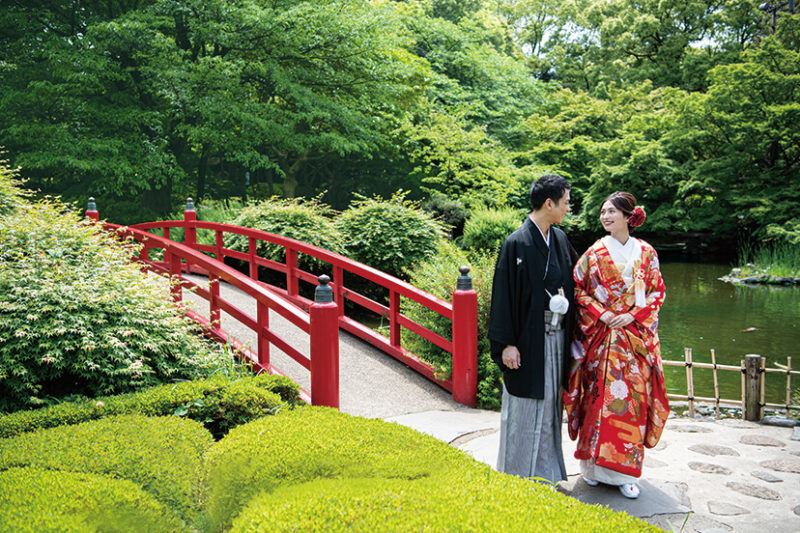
{"x": 616, "y": 401}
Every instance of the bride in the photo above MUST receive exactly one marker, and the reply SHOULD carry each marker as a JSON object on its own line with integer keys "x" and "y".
{"x": 616, "y": 401}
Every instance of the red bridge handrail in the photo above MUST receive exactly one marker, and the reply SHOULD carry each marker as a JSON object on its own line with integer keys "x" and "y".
{"x": 323, "y": 330}
{"x": 462, "y": 312}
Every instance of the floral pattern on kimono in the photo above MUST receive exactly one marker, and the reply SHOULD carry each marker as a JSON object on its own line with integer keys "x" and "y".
{"x": 616, "y": 401}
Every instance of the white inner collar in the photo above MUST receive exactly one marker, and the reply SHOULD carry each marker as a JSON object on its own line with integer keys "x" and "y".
{"x": 624, "y": 255}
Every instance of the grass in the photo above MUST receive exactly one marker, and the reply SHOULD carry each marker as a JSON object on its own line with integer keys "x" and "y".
{"x": 780, "y": 260}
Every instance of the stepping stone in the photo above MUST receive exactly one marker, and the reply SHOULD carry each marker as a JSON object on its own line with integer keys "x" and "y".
{"x": 782, "y": 465}
{"x": 795, "y": 453}
{"x": 694, "y": 428}
{"x": 780, "y": 421}
{"x": 766, "y": 476}
{"x": 761, "y": 440}
{"x": 755, "y": 491}
{"x": 713, "y": 449}
{"x": 738, "y": 423}
{"x": 708, "y": 468}
{"x": 726, "y": 509}
{"x": 650, "y": 462}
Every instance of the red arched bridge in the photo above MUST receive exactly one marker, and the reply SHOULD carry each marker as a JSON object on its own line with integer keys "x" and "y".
{"x": 320, "y": 318}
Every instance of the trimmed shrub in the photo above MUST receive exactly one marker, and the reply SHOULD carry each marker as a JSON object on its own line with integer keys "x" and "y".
{"x": 486, "y": 229}
{"x": 449, "y": 211}
{"x": 478, "y": 500}
{"x": 309, "y": 221}
{"x": 163, "y": 455}
{"x": 313, "y": 442}
{"x": 438, "y": 276}
{"x": 219, "y": 403}
{"x": 391, "y": 235}
{"x": 34, "y": 501}
{"x": 77, "y": 317}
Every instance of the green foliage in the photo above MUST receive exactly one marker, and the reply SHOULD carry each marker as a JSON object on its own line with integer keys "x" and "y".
{"x": 182, "y": 97}
{"x": 457, "y": 159}
{"x": 438, "y": 277}
{"x": 309, "y": 443}
{"x": 304, "y": 468}
{"x": 309, "y": 221}
{"x": 476, "y": 500}
{"x": 33, "y": 500}
{"x": 163, "y": 455}
{"x": 11, "y": 191}
{"x": 743, "y": 138}
{"x": 218, "y": 402}
{"x": 77, "y": 317}
{"x": 450, "y": 212}
{"x": 487, "y": 228}
{"x": 391, "y": 235}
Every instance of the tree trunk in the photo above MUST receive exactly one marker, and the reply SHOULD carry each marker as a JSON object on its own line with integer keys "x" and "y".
{"x": 291, "y": 173}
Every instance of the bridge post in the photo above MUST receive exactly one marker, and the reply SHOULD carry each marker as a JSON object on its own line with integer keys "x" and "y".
{"x": 91, "y": 210}
{"x": 324, "y": 346}
{"x": 465, "y": 340}
{"x": 189, "y": 216}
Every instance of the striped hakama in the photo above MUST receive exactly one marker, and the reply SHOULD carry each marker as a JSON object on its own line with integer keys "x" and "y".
{"x": 530, "y": 429}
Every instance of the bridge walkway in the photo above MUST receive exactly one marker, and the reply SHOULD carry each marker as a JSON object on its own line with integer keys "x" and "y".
{"x": 371, "y": 383}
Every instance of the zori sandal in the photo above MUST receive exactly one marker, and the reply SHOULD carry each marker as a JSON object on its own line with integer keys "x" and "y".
{"x": 629, "y": 490}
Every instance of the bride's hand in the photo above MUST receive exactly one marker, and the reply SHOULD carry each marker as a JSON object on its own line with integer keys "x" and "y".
{"x": 620, "y": 321}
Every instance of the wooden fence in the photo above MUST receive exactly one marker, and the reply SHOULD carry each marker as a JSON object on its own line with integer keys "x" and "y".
{"x": 753, "y": 373}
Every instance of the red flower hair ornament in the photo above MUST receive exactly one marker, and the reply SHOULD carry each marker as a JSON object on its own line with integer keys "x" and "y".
{"x": 637, "y": 217}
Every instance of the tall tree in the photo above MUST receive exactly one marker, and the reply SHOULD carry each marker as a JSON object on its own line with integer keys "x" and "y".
{"x": 154, "y": 96}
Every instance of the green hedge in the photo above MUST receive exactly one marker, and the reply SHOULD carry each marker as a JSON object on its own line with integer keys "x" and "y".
{"x": 313, "y": 442}
{"x": 163, "y": 455}
{"x": 486, "y": 229}
{"x": 218, "y": 402}
{"x": 307, "y": 469}
{"x": 478, "y": 500}
{"x": 391, "y": 235}
{"x": 309, "y": 221}
{"x": 37, "y": 501}
{"x": 438, "y": 276}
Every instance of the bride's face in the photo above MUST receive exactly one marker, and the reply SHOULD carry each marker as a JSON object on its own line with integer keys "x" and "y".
{"x": 612, "y": 219}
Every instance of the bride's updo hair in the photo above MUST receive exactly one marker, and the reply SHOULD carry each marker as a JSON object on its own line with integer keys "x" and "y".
{"x": 626, "y": 203}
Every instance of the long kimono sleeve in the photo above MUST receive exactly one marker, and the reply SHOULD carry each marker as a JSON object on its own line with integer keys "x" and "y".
{"x": 502, "y": 314}
{"x": 655, "y": 291}
{"x": 589, "y": 307}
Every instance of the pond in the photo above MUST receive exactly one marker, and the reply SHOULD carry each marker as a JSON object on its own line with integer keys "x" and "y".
{"x": 701, "y": 312}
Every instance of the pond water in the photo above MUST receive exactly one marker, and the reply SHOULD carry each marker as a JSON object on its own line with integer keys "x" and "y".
{"x": 701, "y": 312}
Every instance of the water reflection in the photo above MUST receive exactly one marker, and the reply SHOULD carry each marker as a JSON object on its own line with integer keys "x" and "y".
{"x": 702, "y": 312}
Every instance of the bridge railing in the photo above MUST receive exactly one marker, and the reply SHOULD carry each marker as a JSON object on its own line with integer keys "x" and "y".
{"x": 462, "y": 311}
{"x": 321, "y": 322}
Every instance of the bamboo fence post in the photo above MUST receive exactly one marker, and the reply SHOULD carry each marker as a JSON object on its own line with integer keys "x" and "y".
{"x": 743, "y": 390}
{"x": 788, "y": 384}
{"x": 762, "y": 375}
{"x": 687, "y": 354}
{"x": 716, "y": 383}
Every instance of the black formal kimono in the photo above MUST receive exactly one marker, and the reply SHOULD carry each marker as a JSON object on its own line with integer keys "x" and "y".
{"x": 524, "y": 269}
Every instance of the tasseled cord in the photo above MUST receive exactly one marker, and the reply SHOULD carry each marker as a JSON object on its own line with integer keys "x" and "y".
{"x": 638, "y": 284}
